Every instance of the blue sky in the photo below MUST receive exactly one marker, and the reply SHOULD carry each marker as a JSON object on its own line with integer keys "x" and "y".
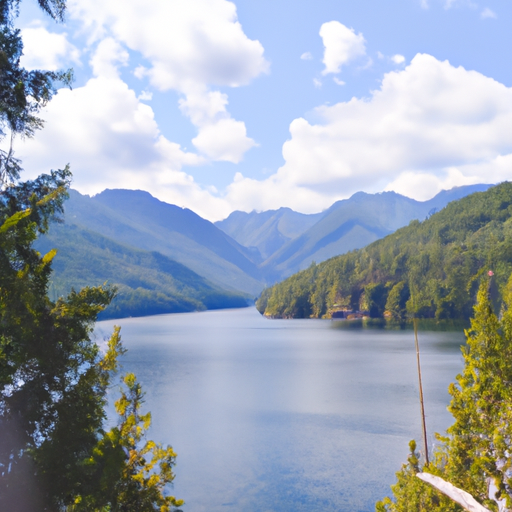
{"x": 217, "y": 105}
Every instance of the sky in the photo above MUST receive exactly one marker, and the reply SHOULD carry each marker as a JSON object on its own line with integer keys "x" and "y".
{"x": 220, "y": 105}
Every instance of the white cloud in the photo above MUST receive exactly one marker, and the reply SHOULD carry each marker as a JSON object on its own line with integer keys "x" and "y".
{"x": 487, "y": 13}
{"x": 109, "y": 55}
{"x": 429, "y": 126}
{"x": 145, "y": 96}
{"x": 190, "y": 47}
{"x": 338, "y": 81}
{"x": 317, "y": 83}
{"x": 306, "y": 56}
{"x": 111, "y": 140}
{"x": 342, "y": 45}
{"x": 103, "y": 130}
{"x": 220, "y": 137}
{"x": 187, "y": 43}
{"x": 45, "y": 50}
{"x": 398, "y": 59}
{"x": 225, "y": 140}
{"x": 422, "y": 185}
{"x": 424, "y": 4}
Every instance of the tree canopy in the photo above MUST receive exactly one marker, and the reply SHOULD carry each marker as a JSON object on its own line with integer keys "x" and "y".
{"x": 55, "y": 452}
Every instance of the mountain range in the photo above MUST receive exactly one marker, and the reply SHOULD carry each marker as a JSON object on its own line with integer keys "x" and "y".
{"x": 429, "y": 269}
{"x": 297, "y": 240}
{"x": 164, "y": 258}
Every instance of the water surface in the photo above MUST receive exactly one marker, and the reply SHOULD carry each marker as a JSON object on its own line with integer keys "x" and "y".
{"x": 285, "y": 415}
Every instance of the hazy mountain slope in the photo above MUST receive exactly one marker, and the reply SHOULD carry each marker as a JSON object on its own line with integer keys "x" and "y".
{"x": 444, "y": 197}
{"x": 267, "y": 231}
{"x": 431, "y": 268}
{"x": 354, "y": 223}
{"x": 148, "y": 282}
{"x": 137, "y": 219}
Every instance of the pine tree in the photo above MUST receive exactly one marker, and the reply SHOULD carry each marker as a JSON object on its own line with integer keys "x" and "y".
{"x": 54, "y": 452}
{"x": 477, "y": 449}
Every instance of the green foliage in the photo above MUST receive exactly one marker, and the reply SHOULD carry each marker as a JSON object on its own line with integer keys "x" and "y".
{"x": 412, "y": 494}
{"x": 51, "y": 387}
{"x": 477, "y": 448}
{"x": 374, "y": 301}
{"x": 439, "y": 261}
{"x": 396, "y": 301}
{"x": 132, "y": 473}
{"x": 53, "y": 383}
{"x": 53, "y": 379}
{"x": 22, "y": 93}
{"x": 147, "y": 283}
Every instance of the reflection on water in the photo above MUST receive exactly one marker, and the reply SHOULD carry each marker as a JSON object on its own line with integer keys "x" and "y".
{"x": 424, "y": 324}
{"x": 286, "y": 415}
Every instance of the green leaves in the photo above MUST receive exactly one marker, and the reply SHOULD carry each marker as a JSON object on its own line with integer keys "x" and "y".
{"x": 477, "y": 450}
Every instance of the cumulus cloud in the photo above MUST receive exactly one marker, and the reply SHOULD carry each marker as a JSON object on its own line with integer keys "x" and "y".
{"x": 220, "y": 137}
{"x": 225, "y": 140}
{"x": 108, "y": 57}
{"x": 398, "y": 59}
{"x": 111, "y": 140}
{"x": 306, "y": 56}
{"x": 487, "y": 13}
{"x": 187, "y": 43}
{"x": 191, "y": 47}
{"x": 427, "y": 127}
{"x": 103, "y": 130}
{"x": 342, "y": 45}
{"x": 45, "y": 50}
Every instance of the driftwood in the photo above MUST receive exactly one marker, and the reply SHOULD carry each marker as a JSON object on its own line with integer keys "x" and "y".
{"x": 463, "y": 498}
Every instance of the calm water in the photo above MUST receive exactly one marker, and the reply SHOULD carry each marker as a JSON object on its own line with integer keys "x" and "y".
{"x": 285, "y": 415}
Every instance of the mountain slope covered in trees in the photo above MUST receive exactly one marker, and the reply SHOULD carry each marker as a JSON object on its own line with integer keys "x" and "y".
{"x": 148, "y": 283}
{"x": 430, "y": 268}
{"x": 289, "y": 241}
{"x": 136, "y": 219}
{"x": 146, "y": 247}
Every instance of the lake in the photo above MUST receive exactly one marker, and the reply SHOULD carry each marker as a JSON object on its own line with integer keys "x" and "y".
{"x": 285, "y": 415}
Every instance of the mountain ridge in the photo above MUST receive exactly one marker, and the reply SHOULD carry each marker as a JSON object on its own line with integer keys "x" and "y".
{"x": 428, "y": 269}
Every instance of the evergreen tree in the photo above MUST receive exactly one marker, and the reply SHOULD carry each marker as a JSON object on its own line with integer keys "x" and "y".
{"x": 476, "y": 452}
{"x": 54, "y": 452}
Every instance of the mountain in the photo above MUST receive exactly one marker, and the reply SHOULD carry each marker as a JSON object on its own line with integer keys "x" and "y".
{"x": 165, "y": 258}
{"x": 136, "y": 219}
{"x": 267, "y": 231}
{"x": 147, "y": 282}
{"x": 354, "y": 223}
{"x": 430, "y": 268}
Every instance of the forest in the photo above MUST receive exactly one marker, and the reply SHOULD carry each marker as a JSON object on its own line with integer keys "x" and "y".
{"x": 429, "y": 269}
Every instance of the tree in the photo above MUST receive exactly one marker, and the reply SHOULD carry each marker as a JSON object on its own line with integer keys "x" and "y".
{"x": 22, "y": 93}
{"x": 476, "y": 452}
{"x": 54, "y": 452}
{"x": 411, "y": 494}
{"x": 52, "y": 385}
{"x": 397, "y": 300}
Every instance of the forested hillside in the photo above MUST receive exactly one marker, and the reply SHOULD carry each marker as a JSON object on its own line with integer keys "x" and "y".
{"x": 287, "y": 241}
{"x": 430, "y": 268}
{"x": 136, "y": 219}
{"x": 148, "y": 283}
